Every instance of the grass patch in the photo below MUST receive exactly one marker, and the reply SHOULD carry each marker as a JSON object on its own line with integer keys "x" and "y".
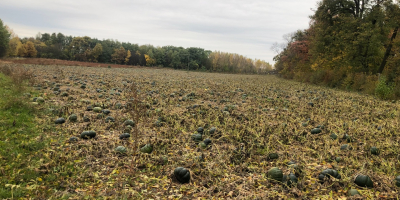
{"x": 18, "y": 140}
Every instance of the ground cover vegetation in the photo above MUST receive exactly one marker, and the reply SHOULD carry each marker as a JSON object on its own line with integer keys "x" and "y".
{"x": 86, "y": 49}
{"x": 143, "y": 133}
{"x": 350, "y": 44}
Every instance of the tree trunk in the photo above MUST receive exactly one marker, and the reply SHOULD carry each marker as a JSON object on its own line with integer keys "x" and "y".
{"x": 388, "y": 50}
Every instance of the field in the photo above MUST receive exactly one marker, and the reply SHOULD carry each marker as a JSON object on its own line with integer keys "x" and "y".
{"x": 254, "y": 123}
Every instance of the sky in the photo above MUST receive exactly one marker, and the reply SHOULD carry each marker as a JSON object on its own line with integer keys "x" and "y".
{"x": 247, "y": 28}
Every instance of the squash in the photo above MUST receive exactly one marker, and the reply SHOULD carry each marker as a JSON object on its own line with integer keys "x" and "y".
{"x": 200, "y": 130}
{"x": 197, "y": 137}
{"x": 73, "y": 118}
{"x": 273, "y": 156}
{"x": 275, "y": 174}
{"x": 106, "y": 111}
{"x": 109, "y": 119}
{"x": 88, "y": 134}
{"x": 333, "y": 136}
{"x": 207, "y": 141}
{"x": 397, "y": 179}
{"x": 292, "y": 179}
{"x": 364, "y": 181}
{"x": 329, "y": 172}
{"x": 346, "y": 147}
{"x": 202, "y": 145}
{"x": 148, "y": 148}
{"x": 59, "y": 121}
{"x": 73, "y": 139}
{"x": 120, "y": 149}
{"x": 129, "y": 122}
{"x": 374, "y": 151}
{"x": 40, "y": 100}
{"x": 316, "y": 131}
{"x": 212, "y": 130}
{"x": 353, "y": 192}
{"x": 182, "y": 175}
{"x": 97, "y": 109}
{"x": 124, "y": 136}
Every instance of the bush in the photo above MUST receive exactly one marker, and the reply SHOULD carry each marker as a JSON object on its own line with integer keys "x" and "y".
{"x": 383, "y": 90}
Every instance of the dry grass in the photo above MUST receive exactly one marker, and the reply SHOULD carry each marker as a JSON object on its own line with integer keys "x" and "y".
{"x": 254, "y": 116}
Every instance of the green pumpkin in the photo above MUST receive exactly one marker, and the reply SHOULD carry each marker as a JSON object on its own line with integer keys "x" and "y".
{"x": 273, "y": 156}
{"x": 397, "y": 180}
{"x": 197, "y": 137}
{"x": 120, "y": 149}
{"x": 292, "y": 179}
{"x": 316, "y": 131}
{"x": 346, "y": 147}
{"x": 88, "y": 134}
{"x": 40, "y": 100}
{"x": 97, "y": 109}
{"x": 364, "y": 181}
{"x": 202, "y": 145}
{"x": 353, "y": 192}
{"x": 129, "y": 122}
{"x": 275, "y": 174}
{"x": 329, "y": 172}
{"x": 148, "y": 148}
{"x": 374, "y": 151}
{"x": 333, "y": 136}
{"x": 60, "y": 121}
{"x": 73, "y": 118}
{"x": 182, "y": 175}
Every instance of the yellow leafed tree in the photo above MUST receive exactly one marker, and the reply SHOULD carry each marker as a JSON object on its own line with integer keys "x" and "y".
{"x": 128, "y": 55}
{"x": 30, "y": 49}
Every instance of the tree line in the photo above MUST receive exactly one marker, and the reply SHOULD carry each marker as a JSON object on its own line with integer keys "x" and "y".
{"x": 86, "y": 49}
{"x": 351, "y": 44}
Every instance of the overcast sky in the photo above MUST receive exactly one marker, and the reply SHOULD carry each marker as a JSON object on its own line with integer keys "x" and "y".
{"x": 246, "y": 27}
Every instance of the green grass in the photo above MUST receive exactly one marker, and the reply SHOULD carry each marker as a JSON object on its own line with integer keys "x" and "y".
{"x": 19, "y": 141}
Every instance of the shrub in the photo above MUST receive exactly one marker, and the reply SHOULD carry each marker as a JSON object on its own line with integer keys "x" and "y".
{"x": 383, "y": 90}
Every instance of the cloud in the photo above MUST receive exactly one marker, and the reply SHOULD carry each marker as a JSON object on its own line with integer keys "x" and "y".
{"x": 244, "y": 27}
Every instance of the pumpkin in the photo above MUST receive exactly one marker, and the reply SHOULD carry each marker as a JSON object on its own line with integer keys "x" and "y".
{"x": 106, "y": 111}
{"x": 273, "y": 156}
{"x": 364, "y": 181}
{"x": 275, "y": 174}
{"x": 346, "y": 147}
{"x": 333, "y": 136}
{"x": 353, "y": 192}
{"x": 316, "y": 131}
{"x": 88, "y": 134}
{"x": 212, "y": 130}
{"x": 89, "y": 108}
{"x": 73, "y": 118}
{"x": 73, "y": 139}
{"x": 292, "y": 179}
{"x": 64, "y": 94}
{"x": 397, "y": 179}
{"x": 200, "y": 130}
{"x": 110, "y": 119}
{"x": 347, "y": 137}
{"x": 129, "y": 122}
{"x": 338, "y": 159}
{"x": 120, "y": 149}
{"x": 207, "y": 141}
{"x": 203, "y": 145}
{"x": 86, "y": 119}
{"x": 374, "y": 151}
{"x": 40, "y": 100}
{"x": 197, "y": 137}
{"x": 330, "y": 172}
{"x": 124, "y": 136}
{"x": 59, "y": 121}
{"x": 182, "y": 175}
{"x": 97, "y": 109}
{"x": 148, "y": 148}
